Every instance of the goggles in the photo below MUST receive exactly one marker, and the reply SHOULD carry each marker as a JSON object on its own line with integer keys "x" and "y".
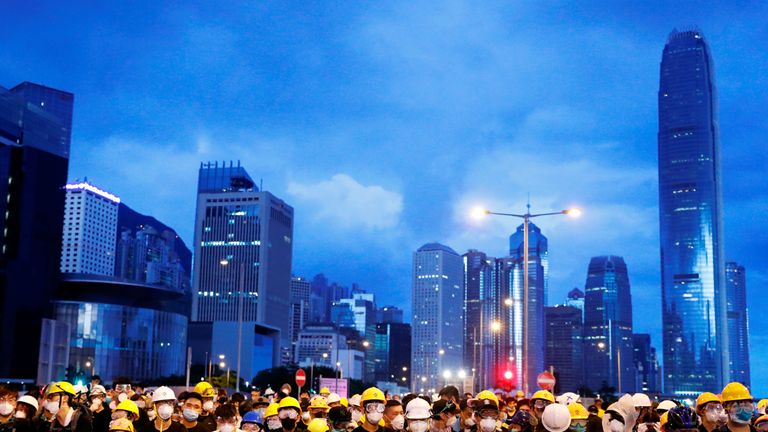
{"x": 374, "y": 407}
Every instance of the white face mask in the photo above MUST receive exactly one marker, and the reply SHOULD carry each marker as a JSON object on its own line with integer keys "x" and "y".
{"x": 305, "y": 416}
{"x": 356, "y": 415}
{"x": 208, "y": 406}
{"x": 165, "y": 411}
{"x": 418, "y": 425}
{"x": 451, "y": 421}
{"x": 227, "y": 427}
{"x": 151, "y": 414}
{"x": 398, "y": 422}
{"x": 141, "y": 404}
{"x": 95, "y": 404}
{"x": 374, "y": 417}
{"x": 274, "y": 424}
{"x": 122, "y": 396}
{"x": 617, "y": 426}
{"x": 112, "y": 405}
{"x": 20, "y": 415}
{"x": 6, "y": 408}
{"x": 487, "y": 424}
{"x": 52, "y": 407}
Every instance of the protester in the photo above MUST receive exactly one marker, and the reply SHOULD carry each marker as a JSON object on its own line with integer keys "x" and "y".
{"x": 372, "y": 401}
{"x": 710, "y": 410}
{"x": 393, "y": 415}
{"x": 737, "y": 402}
{"x": 444, "y": 415}
{"x": 418, "y": 413}
{"x": 556, "y": 418}
{"x": 289, "y": 412}
{"x": 193, "y": 406}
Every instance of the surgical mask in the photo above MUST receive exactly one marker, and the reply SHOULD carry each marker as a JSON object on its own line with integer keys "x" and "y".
{"x": 398, "y": 422}
{"x": 6, "y": 408}
{"x": 52, "y": 407}
{"x": 487, "y": 424}
{"x": 288, "y": 423}
{"x": 741, "y": 415}
{"x": 305, "y": 416}
{"x": 95, "y": 404}
{"x": 227, "y": 427}
{"x": 616, "y": 426}
{"x": 151, "y": 414}
{"x": 356, "y": 415}
{"x": 417, "y": 425}
{"x": 274, "y": 424}
{"x": 374, "y": 417}
{"x": 208, "y": 406}
{"x": 582, "y": 428}
{"x": 469, "y": 422}
{"x": 121, "y": 397}
{"x": 165, "y": 411}
{"x": 112, "y": 405}
{"x": 20, "y": 415}
{"x": 190, "y": 415}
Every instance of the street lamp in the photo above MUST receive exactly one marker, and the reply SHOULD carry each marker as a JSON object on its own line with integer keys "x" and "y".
{"x": 479, "y": 213}
{"x": 495, "y": 326}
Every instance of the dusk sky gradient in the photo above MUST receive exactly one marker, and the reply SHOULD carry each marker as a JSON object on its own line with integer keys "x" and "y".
{"x": 384, "y": 123}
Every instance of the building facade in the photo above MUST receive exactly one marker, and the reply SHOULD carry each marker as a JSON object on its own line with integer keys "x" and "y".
{"x": 693, "y": 311}
{"x": 300, "y": 288}
{"x": 35, "y": 134}
{"x": 646, "y": 364}
{"x": 392, "y": 353}
{"x": 437, "y": 341}
{"x": 389, "y": 314}
{"x": 608, "y": 349}
{"x": 738, "y": 322}
{"x": 564, "y": 353}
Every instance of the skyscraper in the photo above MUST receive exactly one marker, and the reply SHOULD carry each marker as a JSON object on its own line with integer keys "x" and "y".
{"x": 690, "y": 215}
{"x": 243, "y": 249}
{"x": 90, "y": 224}
{"x": 35, "y": 133}
{"x": 299, "y": 306}
{"x": 608, "y": 345}
{"x": 646, "y": 365}
{"x": 738, "y": 319}
{"x": 392, "y": 353}
{"x": 438, "y": 319}
{"x": 564, "y": 347}
{"x": 479, "y": 312}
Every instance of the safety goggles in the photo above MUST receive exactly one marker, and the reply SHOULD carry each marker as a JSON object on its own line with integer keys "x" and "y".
{"x": 540, "y": 404}
{"x": 288, "y": 414}
{"x": 122, "y": 388}
{"x": 488, "y": 413}
{"x": 582, "y": 423}
{"x": 714, "y": 408}
{"x": 374, "y": 407}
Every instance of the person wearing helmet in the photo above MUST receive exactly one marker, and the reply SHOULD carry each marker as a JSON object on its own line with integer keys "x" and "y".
{"x": 620, "y": 415}
{"x": 372, "y": 401}
{"x": 355, "y": 410}
{"x": 66, "y": 414}
{"x": 642, "y": 403}
{"x": 121, "y": 425}
{"x": 393, "y": 415}
{"x": 556, "y": 418}
{"x": 665, "y": 406}
{"x": 682, "y": 419}
{"x": 761, "y": 404}
{"x": 99, "y": 408}
{"x": 711, "y": 411}
{"x": 486, "y": 412}
{"x": 318, "y": 425}
{"x": 318, "y": 408}
{"x": 193, "y": 406}
{"x": 289, "y": 412}
{"x": 205, "y": 389}
{"x": 340, "y": 420}
{"x": 333, "y": 400}
{"x": 539, "y": 401}
{"x": 324, "y": 392}
{"x": 122, "y": 391}
{"x": 579, "y": 416}
{"x": 521, "y": 420}
{"x": 418, "y": 413}
{"x": 251, "y": 422}
{"x": 164, "y": 401}
{"x": 444, "y": 415}
{"x": 126, "y": 409}
{"x": 737, "y": 402}
{"x": 271, "y": 422}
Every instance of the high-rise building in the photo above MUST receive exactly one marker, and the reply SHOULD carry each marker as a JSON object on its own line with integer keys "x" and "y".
{"x": 243, "y": 249}
{"x": 575, "y": 299}
{"x": 323, "y": 295}
{"x": 90, "y": 223}
{"x": 538, "y": 277}
{"x": 564, "y": 351}
{"x": 35, "y": 133}
{"x": 300, "y": 288}
{"x": 392, "y": 353}
{"x": 389, "y": 314}
{"x": 646, "y": 364}
{"x": 738, "y": 319}
{"x": 437, "y": 319}
{"x": 690, "y": 215}
{"x": 608, "y": 349}
{"x": 363, "y": 313}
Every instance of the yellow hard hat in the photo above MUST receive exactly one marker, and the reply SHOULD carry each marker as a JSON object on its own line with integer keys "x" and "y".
{"x": 318, "y": 402}
{"x": 121, "y": 424}
{"x": 324, "y": 390}
{"x": 128, "y": 405}
{"x": 735, "y": 392}
{"x": 61, "y": 387}
{"x": 762, "y": 403}
{"x": 520, "y": 394}
{"x": 706, "y": 398}
{"x": 344, "y": 402}
{"x": 289, "y": 402}
{"x": 578, "y": 412}
{"x": 271, "y": 410}
{"x": 485, "y": 395}
{"x": 762, "y": 419}
{"x": 205, "y": 389}
{"x": 318, "y": 425}
{"x": 543, "y": 394}
{"x": 372, "y": 394}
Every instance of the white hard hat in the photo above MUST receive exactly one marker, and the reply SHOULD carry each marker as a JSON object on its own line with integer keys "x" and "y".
{"x": 98, "y": 389}
{"x": 666, "y": 405}
{"x": 269, "y": 391}
{"x": 556, "y": 418}
{"x": 79, "y": 389}
{"x": 354, "y": 400}
{"x": 418, "y": 409}
{"x": 567, "y": 398}
{"x": 29, "y": 400}
{"x": 333, "y": 397}
{"x": 163, "y": 394}
{"x": 641, "y": 400}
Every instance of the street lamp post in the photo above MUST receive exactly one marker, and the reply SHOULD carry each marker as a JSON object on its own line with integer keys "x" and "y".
{"x": 526, "y": 217}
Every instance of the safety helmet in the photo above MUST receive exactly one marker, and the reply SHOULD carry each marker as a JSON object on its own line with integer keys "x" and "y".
{"x": 762, "y": 402}
{"x": 568, "y": 398}
{"x": 418, "y": 409}
{"x": 543, "y": 394}
{"x": 271, "y": 410}
{"x": 578, "y": 412}
{"x": 121, "y": 424}
{"x": 61, "y": 387}
{"x": 556, "y": 418}
{"x": 521, "y": 418}
{"x": 344, "y": 402}
{"x": 98, "y": 389}
{"x": 324, "y": 391}
{"x": 641, "y": 400}
{"x": 29, "y": 400}
{"x": 520, "y": 394}
{"x": 205, "y": 389}
{"x": 704, "y": 399}
{"x": 372, "y": 394}
{"x": 289, "y": 402}
{"x": 762, "y": 419}
{"x": 485, "y": 399}
{"x": 251, "y": 417}
{"x": 163, "y": 394}
{"x": 318, "y": 425}
{"x": 318, "y": 402}
{"x": 354, "y": 400}
{"x": 735, "y": 391}
{"x": 128, "y": 405}
{"x": 682, "y": 417}
{"x": 333, "y": 398}
{"x": 666, "y": 405}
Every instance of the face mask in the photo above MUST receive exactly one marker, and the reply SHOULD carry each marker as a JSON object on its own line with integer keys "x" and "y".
{"x": 151, "y": 415}
{"x": 274, "y": 424}
{"x": 469, "y": 422}
{"x": 6, "y": 408}
{"x": 52, "y": 407}
{"x": 288, "y": 423}
{"x": 374, "y": 417}
{"x": 398, "y": 422}
{"x": 227, "y": 427}
{"x": 95, "y": 404}
{"x": 356, "y": 415}
{"x": 417, "y": 426}
{"x": 112, "y": 405}
{"x": 122, "y": 396}
{"x": 190, "y": 415}
{"x": 165, "y": 411}
{"x": 617, "y": 426}
{"x": 305, "y": 416}
{"x": 487, "y": 424}
{"x": 582, "y": 428}
{"x": 451, "y": 421}
{"x": 741, "y": 415}
{"x": 141, "y": 404}
{"x": 20, "y": 415}
{"x": 208, "y": 406}
{"x": 118, "y": 415}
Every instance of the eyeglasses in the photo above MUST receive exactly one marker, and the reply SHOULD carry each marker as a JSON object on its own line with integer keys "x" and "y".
{"x": 488, "y": 413}
{"x": 122, "y": 388}
{"x": 288, "y": 413}
{"x": 374, "y": 407}
{"x": 540, "y": 404}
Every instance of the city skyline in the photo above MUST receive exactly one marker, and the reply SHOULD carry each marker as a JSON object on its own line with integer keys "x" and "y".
{"x": 536, "y": 131}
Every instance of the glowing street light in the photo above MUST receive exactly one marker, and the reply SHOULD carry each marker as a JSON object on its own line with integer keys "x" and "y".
{"x": 447, "y": 374}
{"x": 495, "y": 326}
{"x": 441, "y": 352}
{"x": 462, "y": 374}
{"x": 508, "y": 302}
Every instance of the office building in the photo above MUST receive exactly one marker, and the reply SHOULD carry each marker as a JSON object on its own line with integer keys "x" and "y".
{"x": 738, "y": 319}
{"x": 696, "y": 349}
{"x": 300, "y": 288}
{"x": 392, "y": 353}
{"x": 564, "y": 354}
{"x": 646, "y": 364}
{"x": 389, "y": 314}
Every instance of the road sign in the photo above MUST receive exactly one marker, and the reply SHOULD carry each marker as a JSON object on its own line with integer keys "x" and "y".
{"x": 301, "y": 378}
{"x": 546, "y": 381}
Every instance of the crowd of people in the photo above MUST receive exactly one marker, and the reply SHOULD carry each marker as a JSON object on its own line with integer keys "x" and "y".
{"x": 63, "y": 407}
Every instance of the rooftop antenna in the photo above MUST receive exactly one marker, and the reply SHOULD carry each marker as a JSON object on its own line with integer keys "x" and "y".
{"x": 528, "y": 206}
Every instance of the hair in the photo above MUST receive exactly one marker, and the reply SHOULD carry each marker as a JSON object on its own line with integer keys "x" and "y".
{"x": 238, "y": 397}
{"x": 7, "y": 391}
{"x": 593, "y": 409}
{"x": 524, "y": 402}
{"x": 96, "y": 378}
{"x": 392, "y": 403}
{"x": 244, "y": 407}
{"x": 463, "y": 404}
{"x": 183, "y": 396}
{"x": 193, "y": 395}
{"x": 226, "y": 411}
{"x": 647, "y": 417}
{"x": 450, "y": 391}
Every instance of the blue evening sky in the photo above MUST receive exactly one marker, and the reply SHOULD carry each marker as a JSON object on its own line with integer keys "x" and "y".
{"x": 383, "y": 123}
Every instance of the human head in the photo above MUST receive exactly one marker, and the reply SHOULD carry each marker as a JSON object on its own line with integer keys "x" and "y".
{"x": 393, "y": 414}
{"x": 665, "y": 406}
{"x": 520, "y": 421}
{"x": 26, "y": 405}
{"x": 339, "y": 419}
{"x": 642, "y": 403}
{"x": 649, "y": 422}
{"x": 193, "y": 406}
{"x": 524, "y": 405}
{"x": 737, "y": 402}
{"x": 58, "y": 395}
{"x": 486, "y": 410}
{"x": 556, "y": 418}
{"x": 682, "y": 419}
{"x": 206, "y": 391}
{"x": 449, "y": 393}
{"x": 579, "y": 416}
{"x": 318, "y": 407}
{"x": 444, "y": 414}
{"x": 373, "y": 403}
{"x": 7, "y": 401}
{"x": 418, "y": 413}
{"x": 288, "y": 411}
{"x": 333, "y": 400}
{"x": 126, "y": 409}
{"x": 540, "y": 400}
{"x": 226, "y": 418}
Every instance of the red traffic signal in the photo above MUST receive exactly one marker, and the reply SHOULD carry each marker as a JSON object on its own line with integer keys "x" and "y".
{"x": 508, "y": 375}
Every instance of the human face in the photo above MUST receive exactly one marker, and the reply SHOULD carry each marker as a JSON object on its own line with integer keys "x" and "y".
{"x": 392, "y": 412}
{"x": 194, "y": 404}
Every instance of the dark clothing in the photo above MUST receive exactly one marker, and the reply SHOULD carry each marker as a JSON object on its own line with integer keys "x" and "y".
{"x": 101, "y": 419}
{"x": 81, "y": 422}
{"x": 594, "y": 423}
{"x": 199, "y": 427}
{"x": 174, "y": 427}
{"x": 42, "y": 424}
{"x": 24, "y": 425}
{"x": 725, "y": 428}
{"x": 380, "y": 429}
{"x": 208, "y": 420}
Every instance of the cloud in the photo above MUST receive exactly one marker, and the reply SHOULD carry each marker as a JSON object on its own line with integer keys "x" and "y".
{"x": 344, "y": 203}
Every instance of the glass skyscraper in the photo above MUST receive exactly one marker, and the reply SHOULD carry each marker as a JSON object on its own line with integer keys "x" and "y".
{"x": 690, "y": 214}
{"x": 738, "y": 319}
{"x": 608, "y": 346}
